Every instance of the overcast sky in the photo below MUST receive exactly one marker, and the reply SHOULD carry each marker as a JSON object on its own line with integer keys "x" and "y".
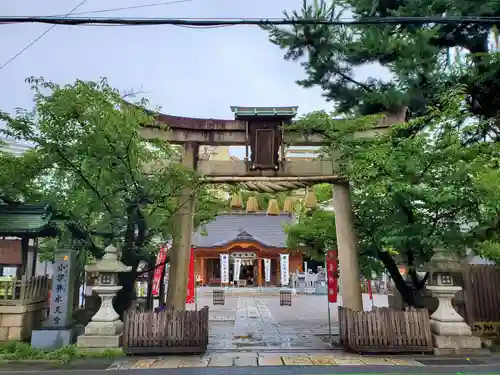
{"x": 187, "y": 72}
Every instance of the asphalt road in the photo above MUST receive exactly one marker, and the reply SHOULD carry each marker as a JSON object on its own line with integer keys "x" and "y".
{"x": 288, "y": 370}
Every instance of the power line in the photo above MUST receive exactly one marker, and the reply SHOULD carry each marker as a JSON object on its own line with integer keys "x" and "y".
{"x": 128, "y": 8}
{"x": 249, "y": 21}
{"x": 38, "y": 38}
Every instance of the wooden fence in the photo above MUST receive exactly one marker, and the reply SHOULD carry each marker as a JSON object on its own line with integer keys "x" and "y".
{"x": 385, "y": 330}
{"x": 27, "y": 290}
{"x": 482, "y": 293}
{"x": 164, "y": 332}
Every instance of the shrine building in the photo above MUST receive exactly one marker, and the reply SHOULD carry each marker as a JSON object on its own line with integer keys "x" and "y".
{"x": 249, "y": 236}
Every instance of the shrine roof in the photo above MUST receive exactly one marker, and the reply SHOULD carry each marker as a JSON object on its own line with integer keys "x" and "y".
{"x": 21, "y": 220}
{"x": 287, "y": 112}
{"x": 244, "y": 227}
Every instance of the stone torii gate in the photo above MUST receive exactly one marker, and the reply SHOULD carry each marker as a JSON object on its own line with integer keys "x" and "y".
{"x": 260, "y": 130}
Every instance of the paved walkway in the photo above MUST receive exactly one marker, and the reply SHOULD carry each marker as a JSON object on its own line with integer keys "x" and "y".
{"x": 299, "y": 359}
{"x": 255, "y": 331}
{"x": 259, "y": 323}
{"x": 159, "y": 368}
{"x": 254, "y": 359}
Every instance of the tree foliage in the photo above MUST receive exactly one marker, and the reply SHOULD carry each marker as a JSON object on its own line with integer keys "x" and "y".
{"x": 314, "y": 230}
{"x": 411, "y": 195}
{"x": 425, "y": 63}
{"x": 89, "y": 162}
{"x": 418, "y": 57}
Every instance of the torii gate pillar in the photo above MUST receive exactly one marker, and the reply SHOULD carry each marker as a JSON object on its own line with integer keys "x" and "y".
{"x": 348, "y": 252}
{"x": 183, "y": 221}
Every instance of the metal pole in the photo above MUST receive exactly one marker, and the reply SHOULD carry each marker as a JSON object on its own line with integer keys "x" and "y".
{"x": 328, "y": 303}
{"x": 196, "y": 296}
{"x": 329, "y": 323}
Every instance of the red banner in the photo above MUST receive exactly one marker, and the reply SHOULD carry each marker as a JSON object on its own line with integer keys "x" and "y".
{"x": 191, "y": 281}
{"x": 160, "y": 258}
{"x": 332, "y": 275}
{"x": 369, "y": 287}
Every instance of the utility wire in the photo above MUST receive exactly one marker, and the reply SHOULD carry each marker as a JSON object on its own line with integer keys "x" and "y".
{"x": 127, "y": 8}
{"x": 250, "y": 21}
{"x": 38, "y": 38}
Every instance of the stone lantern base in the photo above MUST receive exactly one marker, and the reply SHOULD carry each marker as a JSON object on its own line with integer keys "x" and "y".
{"x": 450, "y": 333}
{"x": 102, "y": 335}
{"x": 99, "y": 342}
{"x": 106, "y": 329}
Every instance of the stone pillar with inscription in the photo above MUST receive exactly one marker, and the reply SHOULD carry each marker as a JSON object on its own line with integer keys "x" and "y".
{"x": 106, "y": 329}
{"x": 58, "y": 331}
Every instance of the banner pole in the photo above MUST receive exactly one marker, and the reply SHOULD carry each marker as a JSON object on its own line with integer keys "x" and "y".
{"x": 328, "y": 303}
{"x": 195, "y": 296}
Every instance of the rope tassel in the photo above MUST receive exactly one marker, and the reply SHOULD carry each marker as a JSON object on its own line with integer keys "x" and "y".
{"x": 252, "y": 204}
{"x": 273, "y": 209}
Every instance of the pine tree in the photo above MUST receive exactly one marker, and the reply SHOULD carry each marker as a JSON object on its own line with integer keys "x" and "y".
{"x": 418, "y": 56}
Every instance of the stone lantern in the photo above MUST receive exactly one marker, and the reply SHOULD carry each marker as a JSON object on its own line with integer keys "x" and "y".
{"x": 106, "y": 329}
{"x": 451, "y": 334}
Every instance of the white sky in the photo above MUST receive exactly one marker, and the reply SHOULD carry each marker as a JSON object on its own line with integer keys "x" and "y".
{"x": 187, "y": 72}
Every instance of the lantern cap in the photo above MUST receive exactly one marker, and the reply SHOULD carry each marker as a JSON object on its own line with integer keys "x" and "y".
{"x": 109, "y": 262}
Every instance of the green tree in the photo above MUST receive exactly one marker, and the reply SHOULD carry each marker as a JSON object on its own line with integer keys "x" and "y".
{"x": 324, "y": 192}
{"x": 417, "y": 56}
{"x": 411, "y": 195}
{"x": 315, "y": 232}
{"x": 89, "y": 162}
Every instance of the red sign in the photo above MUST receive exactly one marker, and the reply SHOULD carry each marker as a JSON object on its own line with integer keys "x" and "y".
{"x": 369, "y": 287}
{"x": 332, "y": 275}
{"x": 160, "y": 259}
{"x": 190, "y": 284}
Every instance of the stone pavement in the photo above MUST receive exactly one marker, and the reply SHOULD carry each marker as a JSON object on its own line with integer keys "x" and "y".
{"x": 260, "y": 360}
{"x": 260, "y": 323}
{"x": 255, "y": 331}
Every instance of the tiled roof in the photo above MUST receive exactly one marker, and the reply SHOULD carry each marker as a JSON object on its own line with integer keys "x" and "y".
{"x": 26, "y": 219}
{"x": 259, "y": 227}
{"x": 264, "y": 111}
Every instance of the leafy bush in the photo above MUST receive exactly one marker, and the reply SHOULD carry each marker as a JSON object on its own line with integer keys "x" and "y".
{"x": 15, "y": 350}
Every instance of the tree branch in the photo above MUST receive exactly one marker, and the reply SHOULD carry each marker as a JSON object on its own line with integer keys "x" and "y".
{"x": 86, "y": 181}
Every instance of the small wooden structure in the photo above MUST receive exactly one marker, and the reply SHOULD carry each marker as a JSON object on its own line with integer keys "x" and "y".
{"x": 385, "y": 331}
{"x": 165, "y": 332}
{"x": 24, "y": 298}
{"x": 251, "y": 237}
{"x": 285, "y": 297}
{"x": 219, "y": 297}
{"x": 20, "y": 225}
{"x": 23, "y": 306}
{"x": 27, "y": 290}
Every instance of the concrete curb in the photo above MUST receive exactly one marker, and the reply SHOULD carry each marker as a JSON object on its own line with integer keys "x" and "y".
{"x": 48, "y": 364}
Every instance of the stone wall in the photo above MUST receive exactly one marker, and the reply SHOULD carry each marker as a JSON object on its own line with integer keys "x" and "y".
{"x": 18, "y": 321}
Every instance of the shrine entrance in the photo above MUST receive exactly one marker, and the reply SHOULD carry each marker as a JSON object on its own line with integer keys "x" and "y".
{"x": 262, "y": 131}
{"x": 243, "y": 268}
